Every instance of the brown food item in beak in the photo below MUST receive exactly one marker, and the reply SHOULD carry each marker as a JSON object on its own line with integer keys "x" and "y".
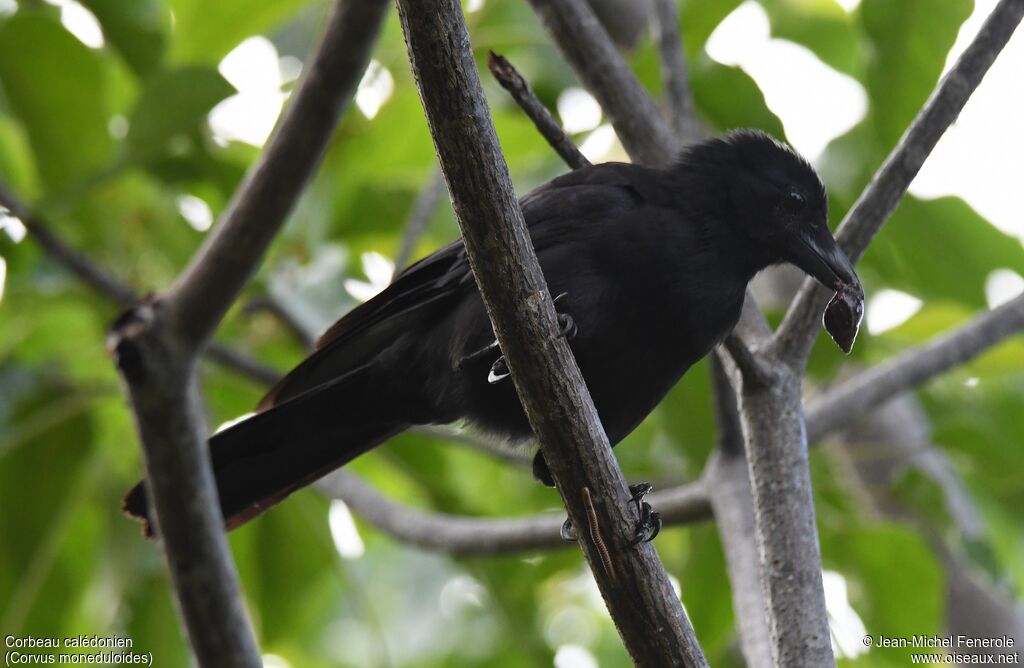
{"x": 843, "y": 315}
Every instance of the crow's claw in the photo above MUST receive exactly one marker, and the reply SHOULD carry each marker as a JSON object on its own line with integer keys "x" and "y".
{"x": 637, "y": 494}
{"x": 648, "y": 527}
{"x": 566, "y": 324}
{"x": 499, "y": 371}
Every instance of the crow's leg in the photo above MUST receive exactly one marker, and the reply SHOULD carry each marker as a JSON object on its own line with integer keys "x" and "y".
{"x": 499, "y": 370}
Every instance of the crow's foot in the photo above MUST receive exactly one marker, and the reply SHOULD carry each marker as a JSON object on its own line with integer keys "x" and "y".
{"x": 649, "y": 525}
{"x": 647, "y": 528}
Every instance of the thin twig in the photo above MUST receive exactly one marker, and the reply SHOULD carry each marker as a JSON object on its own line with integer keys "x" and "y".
{"x": 872, "y": 209}
{"x": 116, "y": 291}
{"x": 521, "y": 91}
{"x": 728, "y": 484}
{"x": 682, "y": 115}
{"x": 422, "y": 209}
{"x": 273, "y": 307}
{"x": 87, "y": 271}
{"x": 605, "y": 73}
{"x": 241, "y": 363}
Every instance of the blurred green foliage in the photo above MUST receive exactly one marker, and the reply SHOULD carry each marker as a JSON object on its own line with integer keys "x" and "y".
{"x": 105, "y": 141}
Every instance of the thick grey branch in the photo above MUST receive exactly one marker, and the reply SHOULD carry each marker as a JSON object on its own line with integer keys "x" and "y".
{"x": 639, "y": 595}
{"x": 591, "y": 53}
{"x": 231, "y": 254}
{"x": 728, "y": 485}
{"x": 850, "y": 401}
{"x": 162, "y": 386}
{"x": 874, "y": 206}
{"x": 786, "y": 532}
{"x": 155, "y": 344}
{"x": 520, "y": 90}
{"x": 733, "y": 507}
{"x": 458, "y": 534}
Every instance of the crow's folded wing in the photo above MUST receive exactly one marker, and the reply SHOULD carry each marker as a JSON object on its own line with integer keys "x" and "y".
{"x": 421, "y": 293}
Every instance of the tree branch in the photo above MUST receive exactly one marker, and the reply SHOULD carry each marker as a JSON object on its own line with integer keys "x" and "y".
{"x": 638, "y": 593}
{"x": 462, "y": 535}
{"x": 784, "y": 510}
{"x": 682, "y": 116}
{"x": 279, "y": 312}
{"x": 231, "y": 254}
{"x": 90, "y": 273}
{"x": 772, "y": 412}
{"x": 520, "y": 90}
{"x": 720, "y": 490}
{"x": 872, "y": 209}
{"x": 844, "y": 405}
{"x": 591, "y": 53}
{"x": 155, "y": 343}
{"x": 728, "y": 485}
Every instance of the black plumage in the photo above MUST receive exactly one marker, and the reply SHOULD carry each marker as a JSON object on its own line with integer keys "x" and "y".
{"x": 653, "y": 263}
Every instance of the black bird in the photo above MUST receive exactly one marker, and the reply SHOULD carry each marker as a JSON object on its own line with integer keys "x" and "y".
{"x": 650, "y": 265}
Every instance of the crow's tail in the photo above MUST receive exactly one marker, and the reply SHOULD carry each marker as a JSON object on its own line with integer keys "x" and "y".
{"x": 260, "y": 461}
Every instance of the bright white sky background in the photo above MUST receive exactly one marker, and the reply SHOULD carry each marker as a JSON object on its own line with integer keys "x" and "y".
{"x": 980, "y": 158}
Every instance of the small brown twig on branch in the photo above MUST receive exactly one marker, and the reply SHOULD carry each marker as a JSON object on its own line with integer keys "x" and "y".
{"x": 520, "y": 90}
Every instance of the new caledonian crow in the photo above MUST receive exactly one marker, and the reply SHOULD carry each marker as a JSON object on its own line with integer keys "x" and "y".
{"x": 650, "y": 267}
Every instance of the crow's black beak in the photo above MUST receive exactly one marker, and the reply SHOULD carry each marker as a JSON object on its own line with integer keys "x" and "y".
{"x": 817, "y": 253}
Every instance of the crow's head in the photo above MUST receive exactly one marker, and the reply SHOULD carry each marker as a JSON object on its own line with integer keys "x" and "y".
{"x": 774, "y": 199}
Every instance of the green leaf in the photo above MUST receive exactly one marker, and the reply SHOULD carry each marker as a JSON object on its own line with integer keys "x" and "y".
{"x": 894, "y": 583}
{"x": 173, "y": 102}
{"x": 16, "y": 160}
{"x": 697, "y": 20}
{"x": 58, "y": 89}
{"x": 138, "y": 29}
{"x": 45, "y": 443}
{"x": 206, "y": 31}
{"x": 907, "y": 251}
{"x": 910, "y": 40}
{"x": 823, "y": 27}
{"x": 729, "y": 98}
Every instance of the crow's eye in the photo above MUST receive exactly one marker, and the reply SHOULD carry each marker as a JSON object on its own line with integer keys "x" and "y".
{"x": 795, "y": 201}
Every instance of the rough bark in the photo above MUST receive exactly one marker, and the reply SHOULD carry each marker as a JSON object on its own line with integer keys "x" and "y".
{"x": 156, "y": 343}
{"x": 632, "y": 580}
